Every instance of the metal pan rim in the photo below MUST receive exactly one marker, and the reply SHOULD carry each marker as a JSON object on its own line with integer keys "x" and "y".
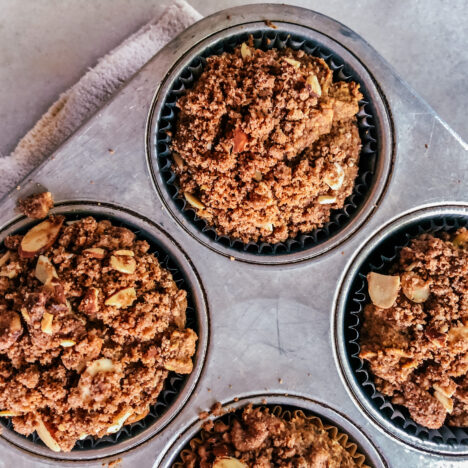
{"x": 301, "y": 402}
{"x": 384, "y": 128}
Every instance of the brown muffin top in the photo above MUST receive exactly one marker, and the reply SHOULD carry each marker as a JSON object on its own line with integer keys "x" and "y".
{"x": 266, "y": 144}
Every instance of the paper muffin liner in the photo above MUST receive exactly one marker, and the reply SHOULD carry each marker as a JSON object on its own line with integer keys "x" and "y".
{"x": 286, "y": 412}
{"x": 380, "y": 260}
{"x": 265, "y": 40}
{"x": 173, "y": 383}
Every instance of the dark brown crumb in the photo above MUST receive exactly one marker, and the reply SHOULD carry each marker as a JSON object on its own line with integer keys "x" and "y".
{"x": 36, "y": 206}
{"x": 270, "y": 24}
{"x": 217, "y": 409}
{"x": 203, "y": 414}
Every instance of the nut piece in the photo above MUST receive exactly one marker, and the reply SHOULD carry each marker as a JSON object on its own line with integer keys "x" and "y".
{"x": 123, "y": 264}
{"x": 40, "y": 237}
{"x": 240, "y": 140}
{"x": 326, "y": 200}
{"x": 90, "y": 303}
{"x": 95, "y": 252}
{"x": 258, "y": 176}
{"x": 5, "y": 257}
{"x": 36, "y": 206}
{"x": 335, "y": 181}
{"x": 100, "y": 365}
{"x": 46, "y": 323}
{"x": 448, "y": 390}
{"x": 45, "y": 271}
{"x": 44, "y": 431}
{"x": 314, "y": 84}
{"x": 8, "y": 414}
{"x": 67, "y": 343}
{"x": 122, "y": 299}
{"x": 414, "y": 287}
{"x": 292, "y": 62}
{"x": 383, "y": 289}
{"x": 128, "y": 253}
{"x": 178, "y": 160}
{"x": 461, "y": 240}
{"x": 119, "y": 421}
{"x": 447, "y": 403}
{"x": 194, "y": 201}
{"x": 245, "y": 51}
{"x": 228, "y": 462}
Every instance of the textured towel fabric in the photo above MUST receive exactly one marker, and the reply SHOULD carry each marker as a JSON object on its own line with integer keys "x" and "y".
{"x": 91, "y": 92}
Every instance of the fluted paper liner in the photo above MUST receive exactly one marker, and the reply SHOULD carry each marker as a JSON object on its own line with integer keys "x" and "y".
{"x": 333, "y": 432}
{"x": 268, "y": 39}
{"x": 379, "y": 260}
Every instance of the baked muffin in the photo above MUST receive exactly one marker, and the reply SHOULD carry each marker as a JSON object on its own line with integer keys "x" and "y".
{"x": 258, "y": 438}
{"x": 266, "y": 144}
{"x": 415, "y": 330}
{"x": 90, "y": 326}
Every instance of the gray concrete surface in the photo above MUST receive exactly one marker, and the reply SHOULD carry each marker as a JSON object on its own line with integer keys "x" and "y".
{"x": 45, "y": 46}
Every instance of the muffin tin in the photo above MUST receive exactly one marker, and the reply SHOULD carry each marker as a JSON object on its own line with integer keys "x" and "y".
{"x": 273, "y": 330}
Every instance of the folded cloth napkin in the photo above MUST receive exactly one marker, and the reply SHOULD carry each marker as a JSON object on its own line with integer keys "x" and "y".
{"x": 84, "y": 98}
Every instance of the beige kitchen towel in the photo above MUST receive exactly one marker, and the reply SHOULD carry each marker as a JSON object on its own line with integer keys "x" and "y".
{"x": 83, "y": 99}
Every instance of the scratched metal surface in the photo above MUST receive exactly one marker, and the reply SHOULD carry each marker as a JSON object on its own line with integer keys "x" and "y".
{"x": 270, "y": 326}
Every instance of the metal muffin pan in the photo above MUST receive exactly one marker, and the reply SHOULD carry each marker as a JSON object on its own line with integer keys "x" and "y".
{"x": 309, "y": 407}
{"x": 177, "y": 388}
{"x": 373, "y": 121}
{"x": 270, "y": 326}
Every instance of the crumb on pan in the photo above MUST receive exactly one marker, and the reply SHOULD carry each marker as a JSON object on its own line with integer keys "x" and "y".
{"x": 415, "y": 330}
{"x": 90, "y": 326}
{"x": 36, "y": 206}
{"x": 266, "y": 144}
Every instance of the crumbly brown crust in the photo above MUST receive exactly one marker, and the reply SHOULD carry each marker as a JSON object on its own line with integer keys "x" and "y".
{"x": 418, "y": 352}
{"x": 77, "y": 360}
{"x": 259, "y": 438}
{"x": 36, "y": 206}
{"x": 262, "y": 138}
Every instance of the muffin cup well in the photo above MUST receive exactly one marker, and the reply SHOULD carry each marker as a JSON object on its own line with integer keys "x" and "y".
{"x": 339, "y": 427}
{"x": 378, "y": 256}
{"x": 373, "y": 130}
{"x": 177, "y": 388}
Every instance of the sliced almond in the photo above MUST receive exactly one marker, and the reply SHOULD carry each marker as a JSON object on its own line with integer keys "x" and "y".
{"x": 8, "y": 414}
{"x": 269, "y": 227}
{"x": 447, "y": 403}
{"x": 335, "y": 181}
{"x": 228, "y": 462}
{"x": 124, "y": 252}
{"x": 11, "y": 270}
{"x": 383, "y": 289}
{"x": 25, "y": 314}
{"x": 138, "y": 416}
{"x": 258, "y": 176}
{"x": 40, "y": 237}
{"x": 100, "y": 365}
{"x": 45, "y": 271}
{"x": 461, "y": 240}
{"x": 367, "y": 354}
{"x": 414, "y": 287}
{"x": 95, "y": 252}
{"x": 123, "y": 264}
{"x": 82, "y": 436}
{"x": 456, "y": 334}
{"x": 245, "y": 50}
{"x": 46, "y": 323}
{"x": 67, "y": 343}
{"x": 447, "y": 390}
{"x": 90, "y": 302}
{"x": 122, "y": 299}
{"x": 292, "y": 62}
{"x": 5, "y": 257}
{"x": 326, "y": 199}
{"x": 15, "y": 324}
{"x": 119, "y": 421}
{"x": 194, "y": 201}
{"x": 45, "y": 434}
{"x": 314, "y": 84}
{"x": 178, "y": 160}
